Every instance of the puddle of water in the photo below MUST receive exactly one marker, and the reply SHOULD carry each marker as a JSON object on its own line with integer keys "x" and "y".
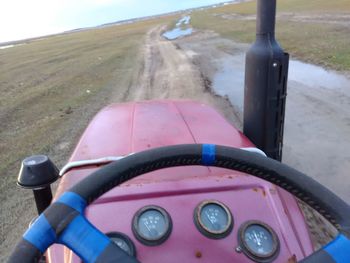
{"x": 229, "y": 79}
{"x": 178, "y": 31}
{"x": 316, "y": 76}
{"x": 183, "y": 21}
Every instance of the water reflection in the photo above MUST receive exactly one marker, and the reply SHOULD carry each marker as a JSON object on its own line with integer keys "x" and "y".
{"x": 181, "y": 29}
{"x": 316, "y": 76}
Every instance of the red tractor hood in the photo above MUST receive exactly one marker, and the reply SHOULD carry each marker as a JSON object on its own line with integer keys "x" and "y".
{"x": 122, "y": 129}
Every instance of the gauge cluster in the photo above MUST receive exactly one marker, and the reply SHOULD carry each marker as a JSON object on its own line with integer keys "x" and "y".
{"x": 152, "y": 225}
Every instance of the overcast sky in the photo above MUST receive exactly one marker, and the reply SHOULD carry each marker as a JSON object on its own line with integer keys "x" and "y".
{"x": 21, "y": 19}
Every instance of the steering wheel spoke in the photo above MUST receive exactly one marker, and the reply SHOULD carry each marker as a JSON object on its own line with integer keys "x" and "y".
{"x": 64, "y": 223}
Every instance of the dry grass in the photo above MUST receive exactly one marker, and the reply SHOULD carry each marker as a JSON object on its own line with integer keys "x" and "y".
{"x": 43, "y": 83}
{"x": 300, "y": 6}
{"x": 41, "y": 80}
{"x": 320, "y": 43}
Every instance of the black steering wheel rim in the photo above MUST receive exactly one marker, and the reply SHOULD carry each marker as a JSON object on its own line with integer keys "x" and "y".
{"x": 61, "y": 219}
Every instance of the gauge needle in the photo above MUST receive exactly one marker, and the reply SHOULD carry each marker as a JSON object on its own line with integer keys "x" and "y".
{"x": 211, "y": 221}
{"x": 257, "y": 239}
{"x": 147, "y": 227}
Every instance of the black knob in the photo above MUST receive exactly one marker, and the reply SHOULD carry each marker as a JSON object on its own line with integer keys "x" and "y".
{"x": 37, "y": 172}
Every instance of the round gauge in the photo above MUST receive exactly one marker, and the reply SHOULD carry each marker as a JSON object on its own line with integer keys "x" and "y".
{"x": 151, "y": 225}
{"x": 124, "y": 242}
{"x": 213, "y": 219}
{"x": 258, "y": 241}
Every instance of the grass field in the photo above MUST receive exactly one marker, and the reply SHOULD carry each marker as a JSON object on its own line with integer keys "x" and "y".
{"x": 322, "y": 43}
{"x": 44, "y": 83}
{"x": 300, "y": 6}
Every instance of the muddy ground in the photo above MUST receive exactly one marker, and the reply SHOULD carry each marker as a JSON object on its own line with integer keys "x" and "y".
{"x": 186, "y": 68}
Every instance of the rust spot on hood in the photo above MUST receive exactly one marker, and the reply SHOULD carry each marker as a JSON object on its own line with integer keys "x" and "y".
{"x": 257, "y": 190}
{"x": 292, "y": 259}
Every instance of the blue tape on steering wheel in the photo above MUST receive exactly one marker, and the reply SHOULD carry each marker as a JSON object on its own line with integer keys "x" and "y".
{"x": 73, "y": 200}
{"x": 84, "y": 239}
{"x": 208, "y": 154}
{"x": 40, "y": 234}
{"x": 339, "y": 249}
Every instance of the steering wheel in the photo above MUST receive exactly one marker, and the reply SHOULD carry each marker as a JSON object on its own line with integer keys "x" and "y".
{"x": 63, "y": 221}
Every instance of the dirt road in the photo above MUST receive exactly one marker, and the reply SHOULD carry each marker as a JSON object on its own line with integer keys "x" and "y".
{"x": 167, "y": 72}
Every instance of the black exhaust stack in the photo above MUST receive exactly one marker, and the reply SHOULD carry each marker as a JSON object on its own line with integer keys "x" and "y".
{"x": 265, "y": 85}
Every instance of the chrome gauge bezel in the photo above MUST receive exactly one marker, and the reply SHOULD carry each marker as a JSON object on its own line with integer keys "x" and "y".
{"x": 211, "y": 233}
{"x": 148, "y": 241}
{"x": 126, "y": 239}
{"x": 250, "y": 253}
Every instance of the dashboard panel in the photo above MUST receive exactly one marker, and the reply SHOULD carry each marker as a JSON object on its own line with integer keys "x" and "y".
{"x": 248, "y": 229}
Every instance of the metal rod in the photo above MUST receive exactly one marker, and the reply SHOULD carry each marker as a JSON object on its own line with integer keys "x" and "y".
{"x": 43, "y": 198}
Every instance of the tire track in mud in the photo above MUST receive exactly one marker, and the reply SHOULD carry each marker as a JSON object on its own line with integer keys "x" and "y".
{"x": 165, "y": 71}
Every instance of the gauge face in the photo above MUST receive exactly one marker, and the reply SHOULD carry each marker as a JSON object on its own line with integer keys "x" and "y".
{"x": 213, "y": 219}
{"x": 124, "y": 242}
{"x": 152, "y": 225}
{"x": 259, "y": 241}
